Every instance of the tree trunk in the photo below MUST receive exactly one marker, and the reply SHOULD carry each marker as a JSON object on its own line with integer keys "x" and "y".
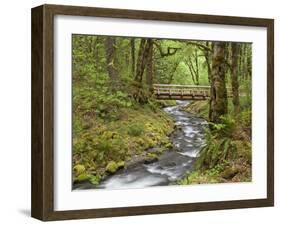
{"x": 207, "y": 58}
{"x": 249, "y": 61}
{"x": 234, "y": 76}
{"x": 144, "y": 49}
{"x": 245, "y": 64}
{"x": 190, "y": 66}
{"x": 218, "y": 101}
{"x": 110, "y": 47}
{"x": 133, "y": 56}
{"x": 197, "y": 67}
{"x": 194, "y": 69}
{"x": 149, "y": 68}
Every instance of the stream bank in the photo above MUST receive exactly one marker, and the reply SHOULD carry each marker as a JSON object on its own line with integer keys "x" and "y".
{"x": 172, "y": 165}
{"x": 227, "y": 156}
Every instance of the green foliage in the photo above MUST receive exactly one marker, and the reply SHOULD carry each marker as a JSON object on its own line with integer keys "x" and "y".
{"x": 114, "y": 120}
{"x": 216, "y": 151}
{"x": 108, "y": 105}
{"x": 226, "y": 155}
{"x": 199, "y": 108}
{"x": 82, "y": 177}
{"x": 135, "y": 129}
{"x": 95, "y": 180}
{"x": 246, "y": 118}
{"x": 212, "y": 175}
{"x": 225, "y": 128}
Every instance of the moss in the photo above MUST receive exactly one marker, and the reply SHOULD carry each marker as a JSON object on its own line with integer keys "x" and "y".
{"x": 167, "y": 103}
{"x": 95, "y": 180}
{"x": 168, "y": 145}
{"x": 200, "y": 108}
{"x": 135, "y": 129}
{"x": 82, "y": 177}
{"x": 151, "y": 157}
{"x": 229, "y": 173}
{"x": 111, "y": 167}
{"x": 203, "y": 176}
{"x": 79, "y": 169}
{"x": 121, "y": 164}
{"x": 138, "y": 129}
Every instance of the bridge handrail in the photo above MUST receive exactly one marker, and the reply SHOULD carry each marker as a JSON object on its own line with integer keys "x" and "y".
{"x": 179, "y": 86}
{"x": 167, "y": 86}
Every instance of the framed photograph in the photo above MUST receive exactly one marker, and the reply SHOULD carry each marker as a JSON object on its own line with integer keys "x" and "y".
{"x": 141, "y": 112}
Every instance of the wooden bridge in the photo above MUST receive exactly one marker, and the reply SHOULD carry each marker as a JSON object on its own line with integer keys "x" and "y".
{"x": 182, "y": 92}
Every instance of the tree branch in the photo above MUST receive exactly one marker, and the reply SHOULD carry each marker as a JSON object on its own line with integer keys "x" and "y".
{"x": 170, "y": 50}
{"x": 201, "y": 46}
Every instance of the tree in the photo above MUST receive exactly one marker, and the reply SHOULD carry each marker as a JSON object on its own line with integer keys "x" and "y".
{"x": 218, "y": 101}
{"x": 150, "y": 67}
{"x": 144, "y": 49}
{"x": 234, "y": 75}
{"x": 207, "y": 55}
{"x": 110, "y": 46}
{"x": 194, "y": 69}
{"x": 132, "y": 43}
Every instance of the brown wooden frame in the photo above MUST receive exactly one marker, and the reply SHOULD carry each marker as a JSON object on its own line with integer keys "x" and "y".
{"x": 42, "y": 203}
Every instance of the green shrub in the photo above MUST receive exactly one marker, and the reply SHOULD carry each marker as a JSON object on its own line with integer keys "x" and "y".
{"x": 225, "y": 127}
{"x": 246, "y": 118}
{"x": 108, "y": 104}
{"x": 218, "y": 147}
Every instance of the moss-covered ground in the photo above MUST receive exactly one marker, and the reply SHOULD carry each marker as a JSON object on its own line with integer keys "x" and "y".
{"x": 102, "y": 145}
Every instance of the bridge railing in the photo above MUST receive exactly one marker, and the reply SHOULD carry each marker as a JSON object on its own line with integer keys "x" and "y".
{"x": 184, "y": 90}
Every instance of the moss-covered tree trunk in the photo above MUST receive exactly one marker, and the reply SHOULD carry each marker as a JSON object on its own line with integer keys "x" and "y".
{"x": 110, "y": 47}
{"x": 207, "y": 56}
{"x": 149, "y": 68}
{"x": 132, "y": 43}
{"x": 218, "y": 101}
{"x": 234, "y": 76}
{"x": 145, "y": 46}
{"x": 143, "y": 57}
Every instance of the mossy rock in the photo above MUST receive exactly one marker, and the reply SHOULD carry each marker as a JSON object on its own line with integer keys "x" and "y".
{"x": 121, "y": 164}
{"x": 82, "y": 177}
{"x": 229, "y": 173}
{"x": 151, "y": 157}
{"x": 79, "y": 169}
{"x": 111, "y": 167}
{"x": 168, "y": 145}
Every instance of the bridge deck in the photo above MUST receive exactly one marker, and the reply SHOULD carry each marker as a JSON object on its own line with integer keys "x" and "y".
{"x": 182, "y": 92}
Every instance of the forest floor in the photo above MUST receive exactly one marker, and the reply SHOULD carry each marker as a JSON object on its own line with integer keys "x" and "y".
{"x": 227, "y": 154}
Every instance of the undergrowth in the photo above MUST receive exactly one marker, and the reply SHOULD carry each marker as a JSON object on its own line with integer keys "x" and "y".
{"x": 226, "y": 155}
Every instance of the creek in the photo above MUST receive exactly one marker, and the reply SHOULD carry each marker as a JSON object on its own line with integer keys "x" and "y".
{"x": 172, "y": 165}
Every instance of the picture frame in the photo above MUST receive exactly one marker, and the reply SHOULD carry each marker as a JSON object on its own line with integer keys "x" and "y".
{"x": 43, "y": 108}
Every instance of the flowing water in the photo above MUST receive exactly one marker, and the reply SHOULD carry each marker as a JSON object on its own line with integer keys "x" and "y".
{"x": 172, "y": 165}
